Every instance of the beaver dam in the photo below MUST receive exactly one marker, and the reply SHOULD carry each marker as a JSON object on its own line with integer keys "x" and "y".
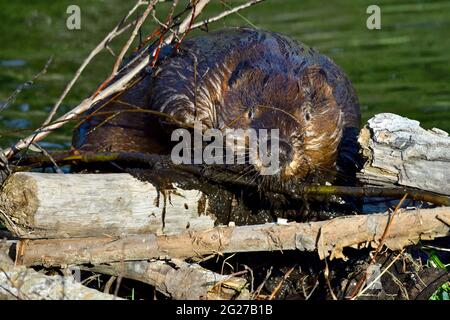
{"x": 347, "y": 213}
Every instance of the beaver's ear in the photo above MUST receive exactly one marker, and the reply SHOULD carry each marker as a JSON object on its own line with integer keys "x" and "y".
{"x": 315, "y": 79}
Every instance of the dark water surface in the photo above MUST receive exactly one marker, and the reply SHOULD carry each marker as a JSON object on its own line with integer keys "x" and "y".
{"x": 403, "y": 68}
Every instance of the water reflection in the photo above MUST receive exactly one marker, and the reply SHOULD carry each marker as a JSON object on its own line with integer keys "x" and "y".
{"x": 12, "y": 63}
{"x": 18, "y": 123}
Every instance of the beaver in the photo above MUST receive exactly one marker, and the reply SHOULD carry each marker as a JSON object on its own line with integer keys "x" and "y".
{"x": 239, "y": 78}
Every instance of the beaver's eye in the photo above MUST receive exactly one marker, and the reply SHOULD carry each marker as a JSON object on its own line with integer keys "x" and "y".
{"x": 307, "y": 116}
{"x": 250, "y": 113}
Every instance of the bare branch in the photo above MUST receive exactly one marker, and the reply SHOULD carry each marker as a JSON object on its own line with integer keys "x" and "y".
{"x": 25, "y": 85}
{"x": 225, "y": 13}
{"x": 127, "y": 45}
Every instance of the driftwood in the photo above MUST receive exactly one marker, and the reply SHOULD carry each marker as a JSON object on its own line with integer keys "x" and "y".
{"x": 179, "y": 280}
{"x": 399, "y": 151}
{"x": 327, "y": 237}
{"x": 21, "y": 283}
{"x": 36, "y": 205}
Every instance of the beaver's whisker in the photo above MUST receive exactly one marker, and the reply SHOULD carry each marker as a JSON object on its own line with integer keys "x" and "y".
{"x": 247, "y": 171}
{"x": 281, "y": 110}
{"x": 255, "y": 176}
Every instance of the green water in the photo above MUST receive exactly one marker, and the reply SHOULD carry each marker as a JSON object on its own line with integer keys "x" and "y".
{"x": 402, "y": 68}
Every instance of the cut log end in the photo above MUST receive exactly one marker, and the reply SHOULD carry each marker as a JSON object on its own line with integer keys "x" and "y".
{"x": 19, "y": 200}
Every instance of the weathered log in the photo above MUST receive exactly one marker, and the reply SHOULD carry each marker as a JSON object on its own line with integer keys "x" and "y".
{"x": 399, "y": 151}
{"x": 21, "y": 283}
{"x": 39, "y": 205}
{"x": 176, "y": 278}
{"x": 327, "y": 237}
{"x": 179, "y": 280}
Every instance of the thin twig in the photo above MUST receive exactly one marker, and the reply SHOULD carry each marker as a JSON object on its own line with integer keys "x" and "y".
{"x": 25, "y": 85}
{"x": 326, "y": 275}
{"x": 379, "y": 276}
{"x": 108, "y": 284}
{"x": 133, "y": 35}
{"x": 191, "y": 21}
{"x": 258, "y": 290}
{"x": 278, "y": 287}
{"x": 187, "y": 22}
{"x": 436, "y": 248}
{"x": 48, "y": 155}
{"x": 377, "y": 250}
{"x": 225, "y": 280}
{"x": 10, "y": 224}
{"x": 166, "y": 25}
{"x": 225, "y": 13}
{"x": 250, "y": 270}
{"x": 316, "y": 284}
{"x": 400, "y": 285}
{"x": 12, "y": 284}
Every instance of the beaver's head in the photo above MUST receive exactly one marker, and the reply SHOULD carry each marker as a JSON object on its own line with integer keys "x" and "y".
{"x": 245, "y": 92}
{"x": 303, "y": 109}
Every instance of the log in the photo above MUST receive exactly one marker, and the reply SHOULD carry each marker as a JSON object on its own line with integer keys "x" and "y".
{"x": 399, "y": 151}
{"x": 180, "y": 280}
{"x": 42, "y": 205}
{"x": 21, "y": 283}
{"x": 176, "y": 279}
{"x": 327, "y": 237}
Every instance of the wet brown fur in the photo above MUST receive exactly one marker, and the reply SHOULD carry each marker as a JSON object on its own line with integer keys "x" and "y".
{"x": 239, "y": 78}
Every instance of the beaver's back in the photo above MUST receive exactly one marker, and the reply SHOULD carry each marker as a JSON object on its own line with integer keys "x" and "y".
{"x": 206, "y": 67}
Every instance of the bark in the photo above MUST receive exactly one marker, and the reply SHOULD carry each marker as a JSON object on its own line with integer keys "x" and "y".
{"x": 327, "y": 237}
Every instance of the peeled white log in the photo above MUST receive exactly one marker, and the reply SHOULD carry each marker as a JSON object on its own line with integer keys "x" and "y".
{"x": 399, "y": 151}
{"x": 43, "y": 205}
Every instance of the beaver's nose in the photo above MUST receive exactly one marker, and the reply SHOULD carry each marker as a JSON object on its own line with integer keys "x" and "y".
{"x": 285, "y": 150}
